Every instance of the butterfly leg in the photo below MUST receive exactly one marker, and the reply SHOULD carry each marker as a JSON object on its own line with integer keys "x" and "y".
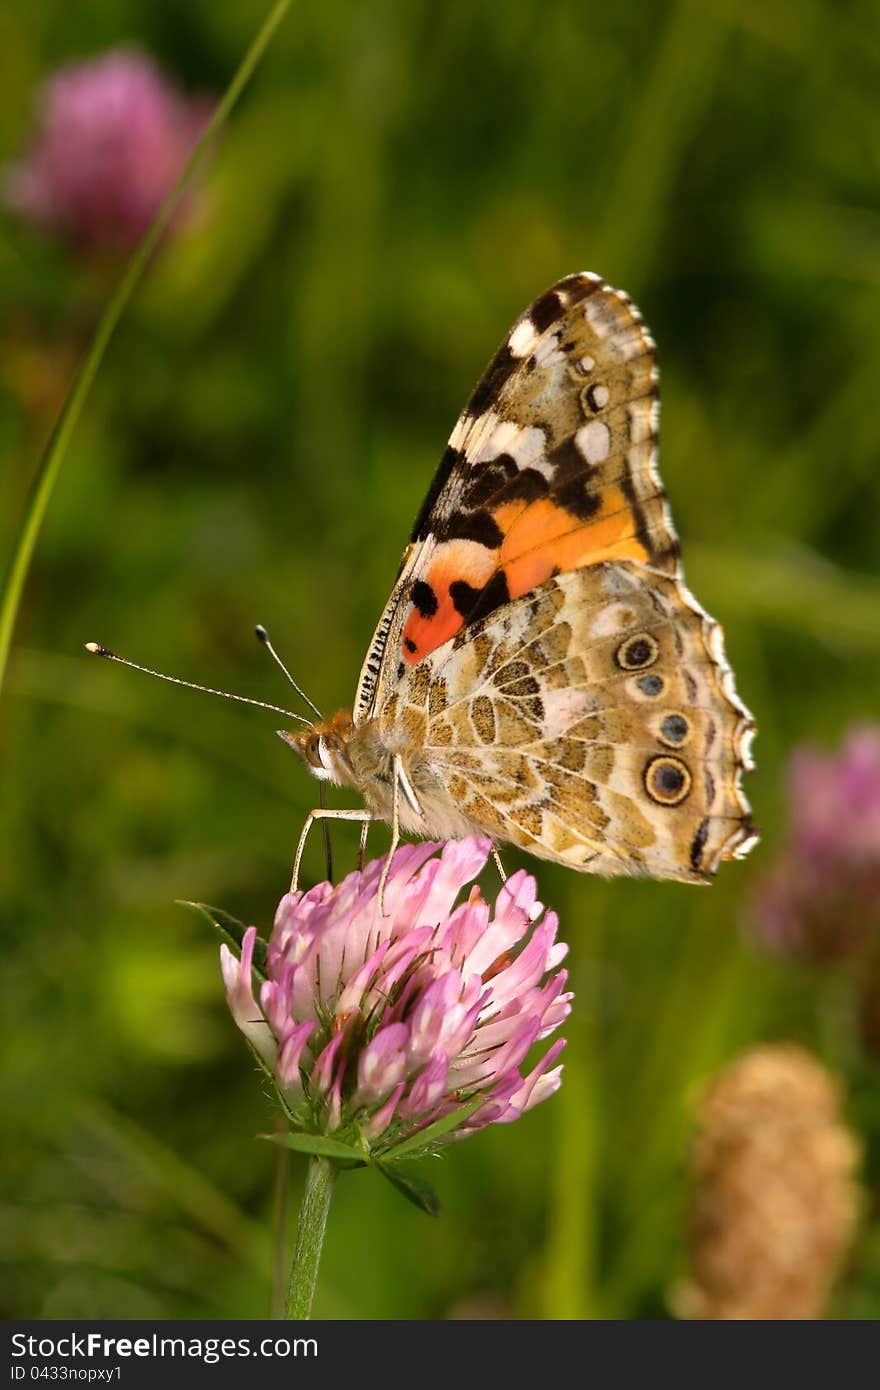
{"x": 395, "y": 834}
{"x": 498, "y": 865}
{"x": 362, "y": 847}
{"x": 322, "y": 814}
{"x": 325, "y": 830}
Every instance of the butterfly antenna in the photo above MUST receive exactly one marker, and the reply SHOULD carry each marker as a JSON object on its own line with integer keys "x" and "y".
{"x": 263, "y": 636}
{"x": 97, "y": 649}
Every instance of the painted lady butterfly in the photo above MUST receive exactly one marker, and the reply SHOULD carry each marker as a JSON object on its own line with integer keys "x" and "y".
{"x": 540, "y": 673}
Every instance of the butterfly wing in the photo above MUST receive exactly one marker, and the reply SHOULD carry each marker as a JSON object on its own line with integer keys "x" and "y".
{"x": 550, "y": 467}
{"x": 592, "y": 722}
{"x": 540, "y": 663}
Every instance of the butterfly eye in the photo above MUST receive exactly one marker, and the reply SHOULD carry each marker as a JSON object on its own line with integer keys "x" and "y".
{"x": 318, "y": 757}
{"x": 667, "y": 780}
{"x": 637, "y": 652}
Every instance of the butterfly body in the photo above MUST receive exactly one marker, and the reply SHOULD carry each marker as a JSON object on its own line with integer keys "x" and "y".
{"x": 541, "y": 674}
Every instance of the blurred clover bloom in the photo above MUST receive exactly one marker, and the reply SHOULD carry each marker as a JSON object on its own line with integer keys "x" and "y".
{"x": 113, "y": 137}
{"x": 775, "y": 1202}
{"x": 822, "y": 900}
{"x": 377, "y": 1027}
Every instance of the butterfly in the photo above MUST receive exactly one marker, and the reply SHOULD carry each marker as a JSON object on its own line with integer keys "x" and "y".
{"x": 541, "y": 674}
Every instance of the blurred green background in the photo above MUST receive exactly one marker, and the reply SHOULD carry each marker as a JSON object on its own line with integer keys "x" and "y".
{"x": 399, "y": 180}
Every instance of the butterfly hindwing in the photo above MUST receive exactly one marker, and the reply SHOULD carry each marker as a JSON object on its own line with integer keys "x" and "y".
{"x": 587, "y": 723}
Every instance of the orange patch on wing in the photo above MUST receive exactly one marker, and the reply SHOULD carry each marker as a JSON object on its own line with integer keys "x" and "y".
{"x": 545, "y": 539}
{"x": 463, "y": 561}
{"x": 540, "y": 540}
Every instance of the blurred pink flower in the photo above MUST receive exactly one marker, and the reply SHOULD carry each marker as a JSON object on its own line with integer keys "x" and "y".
{"x": 385, "y": 1024}
{"x": 113, "y": 136}
{"x": 823, "y": 897}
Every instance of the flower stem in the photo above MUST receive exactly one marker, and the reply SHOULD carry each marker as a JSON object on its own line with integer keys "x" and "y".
{"x": 310, "y": 1238}
{"x": 12, "y": 583}
{"x": 279, "y": 1258}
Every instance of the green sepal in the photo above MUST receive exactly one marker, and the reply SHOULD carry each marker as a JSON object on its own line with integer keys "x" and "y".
{"x": 320, "y": 1145}
{"x": 231, "y": 931}
{"x": 428, "y": 1136}
{"x": 415, "y": 1190}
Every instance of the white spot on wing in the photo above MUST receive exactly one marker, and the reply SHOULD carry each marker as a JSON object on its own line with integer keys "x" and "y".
{"x": 594, "y": 441}
{"x": 462, "y": 426}
{"x": 611, "y": 621}
{"x": 524, "y": 443}
{"x": 565, "y": 707}
{"x": 598, "y": 317}
{"x": 523, "y": 338}
{"x": 548, "y": 352}
{"x": 517, "y": 626}
{"x": 632, "y": 344}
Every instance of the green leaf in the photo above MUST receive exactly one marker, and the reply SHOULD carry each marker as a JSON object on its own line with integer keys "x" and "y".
{"x": 318, "y": 1144}
{"x": 432, "y": 1133}
{"x": 415, "y": 1190}
{"x": 231, "y": 931}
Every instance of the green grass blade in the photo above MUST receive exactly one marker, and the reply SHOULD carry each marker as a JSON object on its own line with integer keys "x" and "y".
{"x": 50, "y": 464}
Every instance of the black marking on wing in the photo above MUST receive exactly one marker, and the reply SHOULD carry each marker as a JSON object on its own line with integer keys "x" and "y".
{"x": 474, "y": 603}
{"x": 546, "y": 310}
{"x": 452, "y": 459}
{"x": 576, "y": 499}
{"x": 526, "y": 486}
{"x": 424, "y": 598}
{"x": 488, "y": 480}
{"x": 499, "y": 369}
{"x": 477, "y": 526}
{"x": 698, "y": 844}
{"x": 569, "y": 484}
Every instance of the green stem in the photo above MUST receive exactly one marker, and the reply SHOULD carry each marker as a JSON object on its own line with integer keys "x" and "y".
{"x": 50, "y": 464}
{"x": 279, "y": 1258}
{"x": 571, "y": 1276}
{"x": 310, "y": 1237}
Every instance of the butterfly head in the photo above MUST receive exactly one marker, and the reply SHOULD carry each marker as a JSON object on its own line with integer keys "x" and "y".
{"x": 322, "y": 746}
